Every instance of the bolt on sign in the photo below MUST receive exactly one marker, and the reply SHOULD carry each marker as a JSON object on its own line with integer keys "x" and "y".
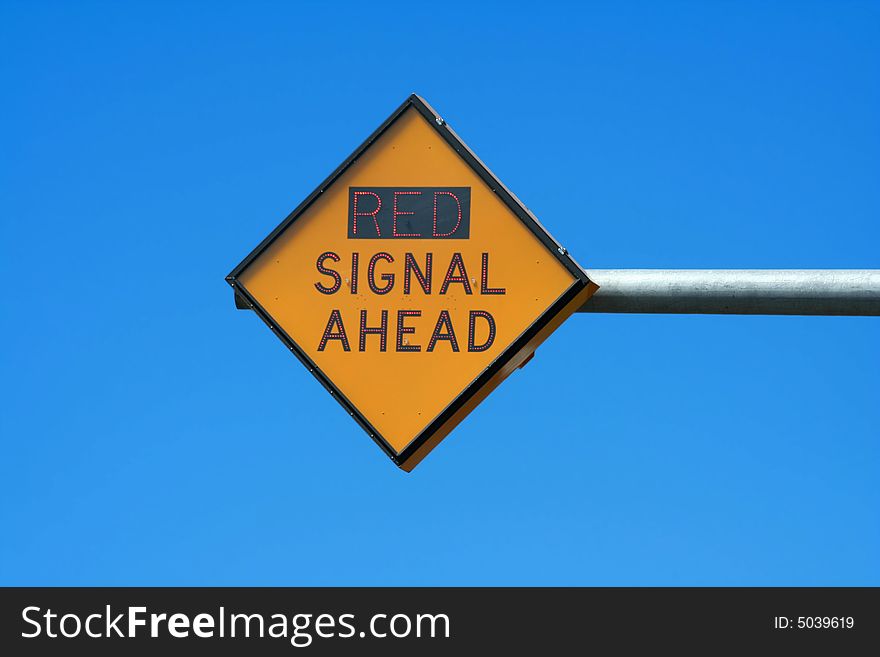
{"x": 410, "y": 283}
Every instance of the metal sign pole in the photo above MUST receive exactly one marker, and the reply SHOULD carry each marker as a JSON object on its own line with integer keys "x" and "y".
{"x": 736, "y": 291}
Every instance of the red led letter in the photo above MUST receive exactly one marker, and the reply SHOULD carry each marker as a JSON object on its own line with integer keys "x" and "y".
{"x": 403, "y": 330}
{"x": 410, "y": 266}
{"x": 456, "y": 264}
{"x": 396, "y": 213}
{"x": 337, "y": 279}
{"x": 457, "y": 224}
{"x": 371, "y": 274}
{"x": 472, "y": 326}
{"x": 354, "y": 272}
{"x": 329, "y": 334}
{"x": 356, "y": 214}
{"x": 381, "y": 331}
{"x": 443, "y": 321}
{"x": 484, "y": 279}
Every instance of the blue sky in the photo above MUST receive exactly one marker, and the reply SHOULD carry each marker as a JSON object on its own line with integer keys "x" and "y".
{"x": 151, "y": 434}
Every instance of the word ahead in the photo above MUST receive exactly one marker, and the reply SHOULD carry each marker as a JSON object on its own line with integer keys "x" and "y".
{"x": 409, "y": 213}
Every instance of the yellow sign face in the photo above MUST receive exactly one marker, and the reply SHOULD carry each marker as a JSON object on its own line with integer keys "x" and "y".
{"x": 411, "y": 283}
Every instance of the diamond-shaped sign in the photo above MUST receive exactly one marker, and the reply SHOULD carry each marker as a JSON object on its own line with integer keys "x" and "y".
{"x": 411, "y": 283}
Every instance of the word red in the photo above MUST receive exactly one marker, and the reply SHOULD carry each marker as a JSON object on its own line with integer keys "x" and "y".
{"x": 409, "y": 213}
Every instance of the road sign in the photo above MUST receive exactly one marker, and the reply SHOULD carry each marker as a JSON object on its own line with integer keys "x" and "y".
{"x": 411, "y": 283}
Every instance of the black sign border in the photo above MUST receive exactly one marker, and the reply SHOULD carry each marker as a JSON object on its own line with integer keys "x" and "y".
{"x": 245, "y": 300}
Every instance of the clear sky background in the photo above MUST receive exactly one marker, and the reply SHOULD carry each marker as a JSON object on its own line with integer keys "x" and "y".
{"x": 152, "y": 434}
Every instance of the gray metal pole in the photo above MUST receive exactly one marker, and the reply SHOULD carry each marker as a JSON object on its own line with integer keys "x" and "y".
{"x": 736, "y": 291}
